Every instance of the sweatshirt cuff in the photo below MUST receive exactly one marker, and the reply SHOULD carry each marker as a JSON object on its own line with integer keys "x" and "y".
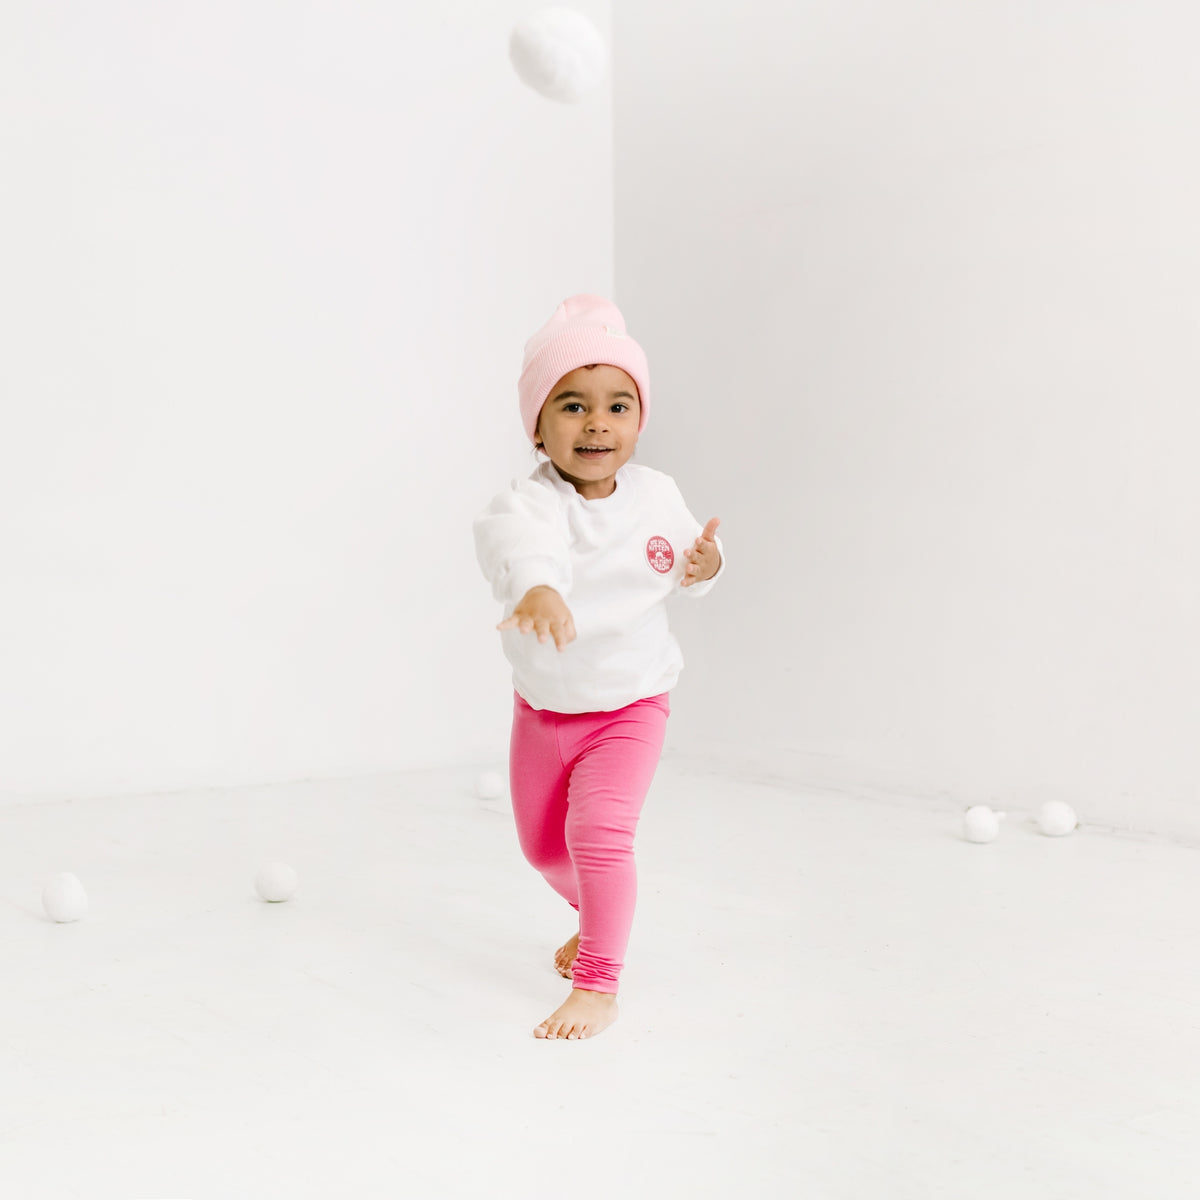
{"x": 535, "y": 572}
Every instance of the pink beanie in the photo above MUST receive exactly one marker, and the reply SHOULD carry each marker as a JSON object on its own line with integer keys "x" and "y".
{"x": 584, "y": 330}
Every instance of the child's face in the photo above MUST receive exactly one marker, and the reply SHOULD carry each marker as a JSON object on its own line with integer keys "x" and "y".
{"x": 589, "y": 427}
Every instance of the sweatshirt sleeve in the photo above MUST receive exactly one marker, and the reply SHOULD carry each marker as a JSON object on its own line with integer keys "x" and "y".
{"x": 520, "y": 542}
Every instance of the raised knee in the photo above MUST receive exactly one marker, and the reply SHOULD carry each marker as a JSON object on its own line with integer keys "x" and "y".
{"x": 545, "y": 858}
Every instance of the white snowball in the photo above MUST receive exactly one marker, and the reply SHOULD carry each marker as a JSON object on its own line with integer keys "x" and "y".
{"x": 558, "y": 52}
{"x": 490, "y": 786}
{"x": 981, "y": 824}
{"x": 1056, "y": 818}
{"x": 63, "y": 898}
{"x": 276, "y": 882}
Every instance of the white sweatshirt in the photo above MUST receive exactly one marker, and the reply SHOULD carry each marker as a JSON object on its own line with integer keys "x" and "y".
{"x": 614, "y": 561}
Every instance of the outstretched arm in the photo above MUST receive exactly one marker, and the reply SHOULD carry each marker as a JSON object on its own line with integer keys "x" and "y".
{"x": 704, "y": 558}
{"x": 520, "y": 543}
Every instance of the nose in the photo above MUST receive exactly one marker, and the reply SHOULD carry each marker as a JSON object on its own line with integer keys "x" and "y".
{"x": 596, "y": 422}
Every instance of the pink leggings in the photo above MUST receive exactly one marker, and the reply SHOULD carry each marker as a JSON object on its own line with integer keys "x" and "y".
{"x": 578, "y": 783}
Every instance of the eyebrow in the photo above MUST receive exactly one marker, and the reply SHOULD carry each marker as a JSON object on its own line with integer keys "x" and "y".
{"x": 580, "y": 396}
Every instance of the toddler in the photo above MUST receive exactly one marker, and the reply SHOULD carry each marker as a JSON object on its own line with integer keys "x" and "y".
{"x": 583, "y": 555}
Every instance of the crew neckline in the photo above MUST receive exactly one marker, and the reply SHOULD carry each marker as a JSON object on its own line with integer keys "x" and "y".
{"x": 622, "y": 488}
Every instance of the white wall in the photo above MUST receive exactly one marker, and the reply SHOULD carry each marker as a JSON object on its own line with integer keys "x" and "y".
{"x": 920, "y": 285}
{"x": 266, "y": 271}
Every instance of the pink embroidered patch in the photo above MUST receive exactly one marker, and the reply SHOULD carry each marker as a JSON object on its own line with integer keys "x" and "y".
{"x": 660, "y": 555}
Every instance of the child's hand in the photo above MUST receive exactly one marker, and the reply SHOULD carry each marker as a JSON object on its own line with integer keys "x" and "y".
{"x": 704, "y": 559}
{"x": 544, "y": 612}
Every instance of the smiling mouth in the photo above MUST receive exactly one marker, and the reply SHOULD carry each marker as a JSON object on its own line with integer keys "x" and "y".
{"x": 593, "y": 451}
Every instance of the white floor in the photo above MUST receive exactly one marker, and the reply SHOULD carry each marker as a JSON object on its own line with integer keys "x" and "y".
{"x": 825, "y": 997}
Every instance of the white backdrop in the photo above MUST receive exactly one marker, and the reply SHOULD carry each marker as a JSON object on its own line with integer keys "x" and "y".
{"x": 920, "y": 286}
{"x": 266, "y": 271}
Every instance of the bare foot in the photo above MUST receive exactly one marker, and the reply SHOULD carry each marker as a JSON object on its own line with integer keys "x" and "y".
{"x": 565, "y": 956}
{"x": 582, "y": 1015}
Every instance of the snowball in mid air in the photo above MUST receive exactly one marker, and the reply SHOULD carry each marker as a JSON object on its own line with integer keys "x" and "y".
{"x": 559, "y": 53}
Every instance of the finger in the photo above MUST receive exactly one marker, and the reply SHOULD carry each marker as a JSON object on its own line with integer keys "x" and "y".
{"x": 710, "y": 529}
{"x": 508, "y": 623}
{"x": 566, "y": 633}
